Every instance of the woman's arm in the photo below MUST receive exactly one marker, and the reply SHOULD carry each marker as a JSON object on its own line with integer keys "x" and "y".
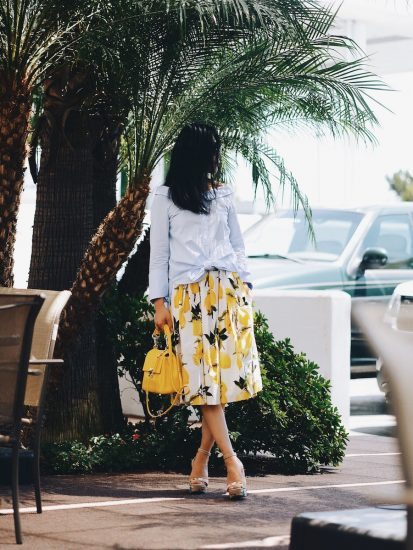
{"x": 159, "y": 249}
{"x": 159, "y": 261}
{"x": 238, "y": 246}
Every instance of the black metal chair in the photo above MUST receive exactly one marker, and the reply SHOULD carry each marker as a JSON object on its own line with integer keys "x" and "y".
{"x": 44, "y": 338}
{"x": 16, "y": 332}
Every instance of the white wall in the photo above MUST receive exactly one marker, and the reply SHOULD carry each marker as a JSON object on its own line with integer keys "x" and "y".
{"x": 318, "y": 324}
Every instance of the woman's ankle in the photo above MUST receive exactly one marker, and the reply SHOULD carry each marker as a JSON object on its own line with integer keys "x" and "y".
{"x": 200, "y": 465}
{"x": 233, "y": 463}
{"x": 202, "y": 457}
{"x": 235, "y": 470}
{"x": 230, "y": 458}
{"x": 204, "y": 451}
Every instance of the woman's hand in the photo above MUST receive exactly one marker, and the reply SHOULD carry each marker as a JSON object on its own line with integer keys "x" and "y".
{"x": 162, "y": 315}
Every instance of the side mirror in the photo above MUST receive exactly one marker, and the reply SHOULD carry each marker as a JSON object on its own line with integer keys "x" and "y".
{"x": 373, "y": 258}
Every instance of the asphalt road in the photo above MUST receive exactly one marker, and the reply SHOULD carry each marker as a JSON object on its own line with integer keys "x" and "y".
{"x": 154, "y": 511}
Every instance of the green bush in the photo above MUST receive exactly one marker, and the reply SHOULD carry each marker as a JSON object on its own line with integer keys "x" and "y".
{"x": 130, "y": 322}
{"x": 293, "y": 417}
{"x": 143, "y": 446}
{"x": 68, "y": 457}
{"x": 292, "y": 420}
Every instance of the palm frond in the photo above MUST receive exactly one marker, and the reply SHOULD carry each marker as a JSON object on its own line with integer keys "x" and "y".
{"x": 246, "y": 72}
{"x": 266, "y": 164}
{"x": 37, "y": 34}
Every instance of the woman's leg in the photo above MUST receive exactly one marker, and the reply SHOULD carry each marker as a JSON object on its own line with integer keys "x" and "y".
{"x": 214, "y": 417}
{"x": 207, "y": 440}
{"x": 200, "y": 463}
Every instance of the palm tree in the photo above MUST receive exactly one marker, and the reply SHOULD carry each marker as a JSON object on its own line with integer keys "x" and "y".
{"x": 34, "y": 35}
{"x": 85, "y": 104}
{"x": 110, "y": 55}
{"x": 245, "y": 84}
{"x": 155, "y": 71}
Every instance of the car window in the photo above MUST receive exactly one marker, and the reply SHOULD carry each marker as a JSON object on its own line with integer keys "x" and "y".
{"x": 394, "y": 233}
{"x": 286, "y": 233}
{"x": 332, "y": 235}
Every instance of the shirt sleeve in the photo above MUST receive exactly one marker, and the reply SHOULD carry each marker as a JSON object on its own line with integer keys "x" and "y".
{"x": 237, "y": 243}
{"x": 159, "y": 245}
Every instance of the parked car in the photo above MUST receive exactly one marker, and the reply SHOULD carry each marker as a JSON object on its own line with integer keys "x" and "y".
{"x": 399, "y": 316}
{"x": 366, "y": 252}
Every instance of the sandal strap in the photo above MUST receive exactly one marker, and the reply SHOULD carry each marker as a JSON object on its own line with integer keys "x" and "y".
{"x": 198, "y": 480}
{"x": 203, "y": 451}
{"x": 237, "y": 484}
{"x": 229, "y": 455}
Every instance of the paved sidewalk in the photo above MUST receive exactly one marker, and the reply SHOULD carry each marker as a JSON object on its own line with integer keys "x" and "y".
{"x": 154, "y": 511}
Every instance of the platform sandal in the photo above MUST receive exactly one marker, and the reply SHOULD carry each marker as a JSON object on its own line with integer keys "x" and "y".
{"x": 198, "y": 484}
{"x": 236, "y": 489}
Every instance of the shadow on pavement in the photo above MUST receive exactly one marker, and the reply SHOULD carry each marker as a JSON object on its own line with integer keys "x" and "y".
{"x": 386, "y": 431}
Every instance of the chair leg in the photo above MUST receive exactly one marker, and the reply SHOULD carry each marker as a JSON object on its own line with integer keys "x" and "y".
{"x": 409, "y": 535}
{"x": 36, "y": 471}
{"x": 15, "y": 493}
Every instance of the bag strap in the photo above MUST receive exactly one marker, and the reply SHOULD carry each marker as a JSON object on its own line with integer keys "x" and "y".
{"x": 163, "y": 413}
{"x": 185, "y": 390}
{"x": 168, "y": 336}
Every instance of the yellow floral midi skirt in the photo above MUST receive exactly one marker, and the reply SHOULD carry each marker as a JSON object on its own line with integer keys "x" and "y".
{"x": 213, "y": 335}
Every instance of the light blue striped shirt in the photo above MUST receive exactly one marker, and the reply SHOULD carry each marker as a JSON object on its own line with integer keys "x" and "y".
{"x": 184, "y": 245}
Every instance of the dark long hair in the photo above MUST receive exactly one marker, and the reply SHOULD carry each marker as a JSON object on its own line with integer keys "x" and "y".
{"x": 194, "y": 160}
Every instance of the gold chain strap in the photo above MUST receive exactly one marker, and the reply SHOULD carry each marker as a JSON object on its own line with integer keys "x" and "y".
{"x": 163, "y": 413}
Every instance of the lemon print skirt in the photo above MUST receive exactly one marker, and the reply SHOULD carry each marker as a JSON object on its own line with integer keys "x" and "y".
{"x": 214, "y": 338}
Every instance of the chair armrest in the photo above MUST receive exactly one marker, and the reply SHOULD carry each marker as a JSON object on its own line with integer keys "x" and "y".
{"x": 34, "y": 372}
{"x": 46, "y": 362}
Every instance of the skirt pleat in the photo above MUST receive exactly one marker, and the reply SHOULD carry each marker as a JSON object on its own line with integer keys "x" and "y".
{"x": 214, "y": 339}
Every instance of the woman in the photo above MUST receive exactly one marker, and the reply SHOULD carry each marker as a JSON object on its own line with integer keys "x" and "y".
{"x": 200, "y": 286}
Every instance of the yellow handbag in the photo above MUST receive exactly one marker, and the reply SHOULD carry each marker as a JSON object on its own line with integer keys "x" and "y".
{"x": 162, "y": 373}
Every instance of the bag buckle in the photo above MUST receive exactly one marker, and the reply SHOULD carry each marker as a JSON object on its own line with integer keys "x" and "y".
{"x": 156, "y": 337}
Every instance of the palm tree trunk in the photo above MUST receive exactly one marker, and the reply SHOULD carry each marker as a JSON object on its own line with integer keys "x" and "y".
{"x": 63, "y": 221}
{"x": 109, "y": 248}
{"x": 76, "y": 190}
{"x": 135, "y": 279}
{"x": 63, "y": 226}
{"x": 15, "y": 109}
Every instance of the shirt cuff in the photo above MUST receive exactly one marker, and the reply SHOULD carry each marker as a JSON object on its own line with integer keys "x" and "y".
{"x": 158, "y": 285}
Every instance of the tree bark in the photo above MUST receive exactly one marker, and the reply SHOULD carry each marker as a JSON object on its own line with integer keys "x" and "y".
{"x": 15, "y": 107}
{"x": 63, "y": 221}
{"x": 104, "y": 200}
